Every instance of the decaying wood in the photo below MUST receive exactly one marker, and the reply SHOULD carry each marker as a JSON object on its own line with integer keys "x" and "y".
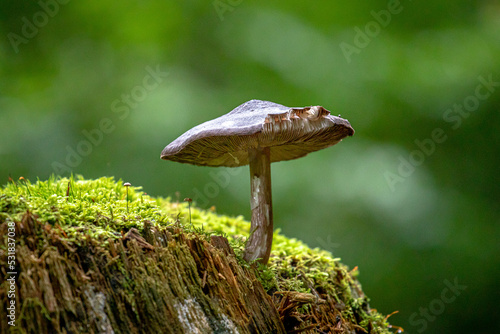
{"x": 153, "y": 281}
{"x": 320, "y": 315}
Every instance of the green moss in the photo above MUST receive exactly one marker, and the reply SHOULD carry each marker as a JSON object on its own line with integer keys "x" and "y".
{"x": 79, "y": 208}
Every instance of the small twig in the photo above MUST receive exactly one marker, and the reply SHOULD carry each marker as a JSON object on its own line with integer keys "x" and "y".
{"x": 204, "y": 281}
{"x": 310, "y": 286}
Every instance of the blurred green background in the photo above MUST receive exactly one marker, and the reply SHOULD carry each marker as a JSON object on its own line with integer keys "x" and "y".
{"x": 101, "y": 87}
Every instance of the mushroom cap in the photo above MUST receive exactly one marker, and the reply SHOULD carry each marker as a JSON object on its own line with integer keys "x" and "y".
{"x": 290, "y": 133}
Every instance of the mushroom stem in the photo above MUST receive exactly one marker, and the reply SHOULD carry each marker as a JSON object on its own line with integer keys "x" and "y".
{"x": 261, "y": 232}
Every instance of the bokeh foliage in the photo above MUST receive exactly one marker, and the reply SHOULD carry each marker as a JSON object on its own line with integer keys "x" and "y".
{"x": 438, "y": 222}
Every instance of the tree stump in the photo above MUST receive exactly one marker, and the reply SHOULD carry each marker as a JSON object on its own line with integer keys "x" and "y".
{"x": 170, "y": 282}
{"x": 94, "y": 256}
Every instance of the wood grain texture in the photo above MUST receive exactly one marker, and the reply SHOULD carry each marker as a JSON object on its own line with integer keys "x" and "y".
{"x": 162, "y": 281}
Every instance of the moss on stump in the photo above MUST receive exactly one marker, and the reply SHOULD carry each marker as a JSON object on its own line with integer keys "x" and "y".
{"x": 92, "y": 257}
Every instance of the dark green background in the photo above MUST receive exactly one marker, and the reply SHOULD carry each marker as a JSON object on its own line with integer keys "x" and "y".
{"x": 64, "y": 70}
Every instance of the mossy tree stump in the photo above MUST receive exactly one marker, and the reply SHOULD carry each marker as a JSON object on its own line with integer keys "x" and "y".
{"x": 85, "y": 264}
{"x": 168, "y": 283}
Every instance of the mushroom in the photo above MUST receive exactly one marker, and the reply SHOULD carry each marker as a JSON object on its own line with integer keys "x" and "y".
{"x": 257, "y": 133}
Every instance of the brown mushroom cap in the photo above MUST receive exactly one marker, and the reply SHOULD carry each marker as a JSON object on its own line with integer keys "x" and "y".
{"x": 290, "y": 133}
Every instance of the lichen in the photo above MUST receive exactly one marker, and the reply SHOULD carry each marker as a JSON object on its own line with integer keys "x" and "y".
{"x": 100, "y": 209}
{"x": 190, "y": 313}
